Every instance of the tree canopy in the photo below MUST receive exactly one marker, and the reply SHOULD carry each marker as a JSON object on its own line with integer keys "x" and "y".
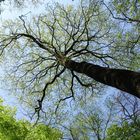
{"x": 71, "y": 52}
{"x": 11, "y": 129}
{"x": 66, "y": 37}
{"x": 126, "y": 130}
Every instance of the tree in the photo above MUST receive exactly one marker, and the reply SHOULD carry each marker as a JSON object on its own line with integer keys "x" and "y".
{"x": 120, "y": 120}
{"x": 89, "y": 124}
{"x": 50, "y": 52}
{"x": 125, "y": 10}
{"x": 93, "y": 121}
{"x": 127, "y": 131}
{"x": 127, "y": 125}
{"x": 11, "y": 129}
{"x": 125, "y": 80}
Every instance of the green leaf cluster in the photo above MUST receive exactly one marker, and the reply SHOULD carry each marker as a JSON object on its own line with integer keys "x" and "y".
{"x": 126, "y": 131}
{"x": 12, "y": 129}
{"x": 128, "y": 7}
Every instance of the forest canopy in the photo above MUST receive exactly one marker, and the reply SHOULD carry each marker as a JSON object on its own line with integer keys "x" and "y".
{"x": 68, "y": 55}
{"x": 12, "y": 129}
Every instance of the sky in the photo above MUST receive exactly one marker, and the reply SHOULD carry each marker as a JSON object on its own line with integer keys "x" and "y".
{"x": 9, "y": 12}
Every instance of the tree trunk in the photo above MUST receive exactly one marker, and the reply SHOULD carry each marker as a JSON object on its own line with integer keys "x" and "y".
{"x": 125, "y": 80}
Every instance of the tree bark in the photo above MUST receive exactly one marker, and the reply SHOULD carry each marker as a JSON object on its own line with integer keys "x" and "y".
{"x": 125, "y": 80}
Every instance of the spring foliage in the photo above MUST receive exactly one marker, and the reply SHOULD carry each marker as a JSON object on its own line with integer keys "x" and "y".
{"x": 12, "y": 129}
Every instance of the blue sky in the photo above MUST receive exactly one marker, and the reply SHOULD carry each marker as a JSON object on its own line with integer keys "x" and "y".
{"x": 9, "y": 12}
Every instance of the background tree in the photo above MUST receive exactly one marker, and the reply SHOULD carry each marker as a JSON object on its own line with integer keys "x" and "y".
{"x": 128, "y": 113}
{"x": 11, "y": 129}
{"x": 90, "y": 123}
{"x": 126, "y": 10}
{"x": 126, "y": 131}
{"x": 120, "y": 120}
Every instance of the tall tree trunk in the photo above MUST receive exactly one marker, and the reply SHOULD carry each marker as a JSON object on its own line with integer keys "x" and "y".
{"x": 125, "y": 80}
